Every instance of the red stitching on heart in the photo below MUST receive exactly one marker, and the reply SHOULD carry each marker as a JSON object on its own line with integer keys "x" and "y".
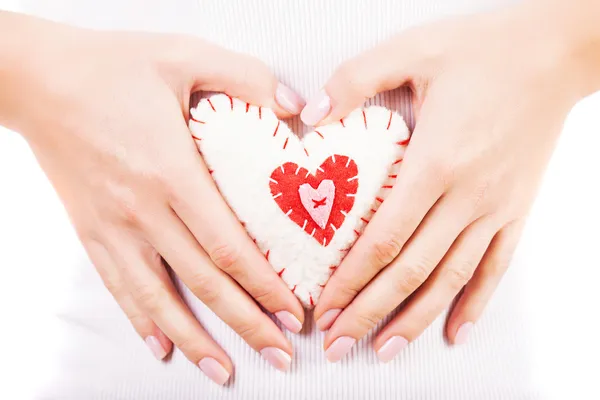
{"x": 195, "y": 137}
{"x": 211, "y": 104}
{"x": 286, "y": 142}
{"x": 247, "y": 107}
{"x": 196, "y": 120}
{"x": 390, "y": 121}
{"x": 365, "y": 118}
{"x": 280, "y": 273}
{"x": 342, "y": 122}
{"x": 398, "y": 161}
{"x": 392, "y": 176}
{"x": 387, "y": 187}
{"x": 230, "y": 101}
{"x": 285, "y": 191}
{"x": 403, "y": 142}
{"x": 320, "y": 134}
{"x": 259, "y": 112}
{"x": 276, "y": 128}
{"x": 267, "y": 254}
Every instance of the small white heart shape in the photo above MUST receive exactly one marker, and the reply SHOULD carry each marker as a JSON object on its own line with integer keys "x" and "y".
{"x": 277, "y": 184}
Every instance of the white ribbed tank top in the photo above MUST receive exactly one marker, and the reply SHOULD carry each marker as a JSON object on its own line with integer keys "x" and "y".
{"x": 303, "y": 42}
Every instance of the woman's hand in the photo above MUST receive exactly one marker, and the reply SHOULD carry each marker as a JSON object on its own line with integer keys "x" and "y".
{"x": 491, "y": 94}
{"x": 106, "y": 115}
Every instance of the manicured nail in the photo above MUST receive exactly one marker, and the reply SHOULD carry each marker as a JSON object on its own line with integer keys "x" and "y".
{"x": 277, "y": 358}
{"x": 463, "y": 333}
{"x": 154, "y": 344}
{"x": 316, "y": 109}
{"x": 288, "y": 99}
{"x": 215, "y": 371}
{"x": 391, "y": 348}
{"x": 328, "y": 318}
{"x": 288, "y": 320}
{"x": 339, "y": 348}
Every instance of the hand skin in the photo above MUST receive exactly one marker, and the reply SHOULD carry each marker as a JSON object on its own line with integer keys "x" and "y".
{"x": 106, "y": 116}
{"x": 491, "y": 94}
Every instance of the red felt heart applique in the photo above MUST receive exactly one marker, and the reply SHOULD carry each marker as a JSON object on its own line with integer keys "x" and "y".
{"x": 317, "y": 203}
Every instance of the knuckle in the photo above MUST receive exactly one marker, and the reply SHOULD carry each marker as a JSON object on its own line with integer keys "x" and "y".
{"x": 459, "y": 275}
{"x": 387, "y": 249}
{"x": 412, "y": 277}
{"x": 369, "y": 320}
{"x": 204, "y": 287}
{"x": 264, "y": 295}
{"x": 248, "y": 330}
{"x": 150, "y": 296}
{"x": 346, "y": 290}
{"x": 226, "y": 257}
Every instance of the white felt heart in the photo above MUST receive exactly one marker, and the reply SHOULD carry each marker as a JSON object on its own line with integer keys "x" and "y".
{"x": 306, "y": 201}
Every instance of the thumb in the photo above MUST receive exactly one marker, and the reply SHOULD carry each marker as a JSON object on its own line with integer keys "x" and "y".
{"x": 219, "y": 70}
{"x": 385, "y": 67}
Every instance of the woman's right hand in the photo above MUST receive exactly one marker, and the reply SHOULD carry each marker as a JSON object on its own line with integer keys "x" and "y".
{"x": 105, "y": 113}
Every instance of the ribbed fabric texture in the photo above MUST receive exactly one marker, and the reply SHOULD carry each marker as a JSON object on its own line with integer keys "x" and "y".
{"x": 303, "y": 42}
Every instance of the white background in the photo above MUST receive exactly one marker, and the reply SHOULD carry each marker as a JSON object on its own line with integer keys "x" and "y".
{"x": 560, "y": 249}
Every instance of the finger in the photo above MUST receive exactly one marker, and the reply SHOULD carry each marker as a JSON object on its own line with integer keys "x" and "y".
{"x": 446, "y": 220}
{"x": 417, "y": 188}
{"x": 434, "y": 296}
{"x": 217, "y": 69}
{"x": 480, "y": 288}
{"x": 384, "y": 67}
{"x": 219, "y": 292}
{"x": 156, "y": 340}
{"x": 198, "y": 203}
{"x": 153, "y": 290}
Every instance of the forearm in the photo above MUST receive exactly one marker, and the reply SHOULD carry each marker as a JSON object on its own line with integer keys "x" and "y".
{"x": 574, "y": 28}
{"x": 29, "y": 51}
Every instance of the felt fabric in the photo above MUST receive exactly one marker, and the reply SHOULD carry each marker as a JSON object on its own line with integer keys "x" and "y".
{"x": 304, "y": 201}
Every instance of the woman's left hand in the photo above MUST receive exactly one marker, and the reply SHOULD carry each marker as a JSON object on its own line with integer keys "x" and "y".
{"x": 491, "y": 95}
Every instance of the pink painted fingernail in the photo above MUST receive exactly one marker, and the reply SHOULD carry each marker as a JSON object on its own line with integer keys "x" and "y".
{"x": 328, "y": 318}
{"x": 316, "y": 109}
{"x": 290, "y": 321}
{"x": 288, "y": 99}
{"x": 339, "y": 348}
{"x": 215, "y": 371}
{"x": 154, "y": 344}
{"x": 463, "y": 333}
{"x": 391, "y": 348}
{"x": 277, "y": 358}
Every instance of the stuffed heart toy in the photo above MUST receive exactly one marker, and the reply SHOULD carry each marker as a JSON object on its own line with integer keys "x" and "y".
{"x": 304, "y": 201}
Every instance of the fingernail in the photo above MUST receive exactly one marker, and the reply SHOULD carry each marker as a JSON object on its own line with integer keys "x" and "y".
{"x": 339, "y": 348}
{"x": 215, "y": 371}
{"x": 463, "y": 333}
{"x": 316, "y": 109}
{"x": 328, "y": 318}
{"x": 288, "y": 320}
{"x": 277, "y": 358}
{"x": 288, "y": 99}
{"x": 154, "y": 344}
{"x": 391, "y": 348}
